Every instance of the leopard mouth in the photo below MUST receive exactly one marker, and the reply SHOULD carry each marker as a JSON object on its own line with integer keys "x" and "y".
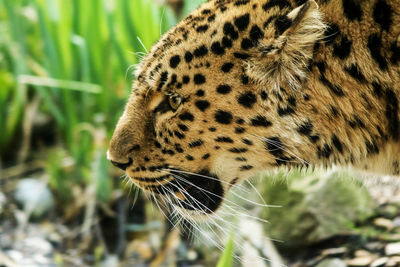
{"x": 201, "y": 192}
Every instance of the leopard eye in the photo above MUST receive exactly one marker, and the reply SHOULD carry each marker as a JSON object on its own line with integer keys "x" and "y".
{"x": 174, "y": 101}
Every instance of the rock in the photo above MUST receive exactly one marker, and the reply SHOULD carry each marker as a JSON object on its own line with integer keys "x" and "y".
{"x": 379, "y": 262}
{"x": 192, "y": 255}
{"x": 42, "y": 260}
{"x": 314, "y": 206}
{"x": 384, "y": 223}
{"x": 37, "y": 245}
{"x": 374, "y": 246}
{"x": 332, "y": 263}
{"x": 392, "y": 249}
{"x": 396, "y": 222}
{"x": 34, "y": 196}
{"x": 360, "y": 261}
{"x": 110, "y": 261}
{"x": 15, "y": 255}
{"x": 333, "y": 251}
{"x": 392, "y": 238}
{"x": 393, "y": 261}
{"x": 361, "y": 253}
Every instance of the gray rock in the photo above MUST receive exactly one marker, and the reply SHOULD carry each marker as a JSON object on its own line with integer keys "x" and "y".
{"x": 315, "y": 206}
{"x": 392, "y": 249}
{"x": 37, "y": 245}
{"x": 34, "y": 196}
{"x": 334, "y": 251}
{"x": 360, "y": 261}
{"x": 15, "y": 255}
{"x": 379, "y": 262}
{"x": 110, "y": 261}
{"x": 332, "y": 263}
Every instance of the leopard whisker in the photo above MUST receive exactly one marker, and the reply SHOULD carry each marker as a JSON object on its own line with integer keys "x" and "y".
{"x": 207, "y": 177}
{"x": 259, "y": 194}
{"x": 202, "y": 189}
{"x": 234, "y": 211}
{"x": 252, "y": 202}
{"x": 157, "y": 203}
{"x": 199, "y": 188}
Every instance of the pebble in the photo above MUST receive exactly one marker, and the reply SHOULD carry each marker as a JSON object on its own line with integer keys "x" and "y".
{"x": 15, "y": 255}
{"x": 34, "y": 195}
{"x": 334, "y": 262}
{"x": 392, "y": 249}
{"x": 110, "y": 261}
{"x": 379, "y": 262}
{"x": 393, "y": 237}
{"x": 360, "y": 261}
{"x": 192, "y": 255}
{"x": 374, "y": 246}
{"x": 393, "y": 261}
{"x": 37, "y": 245}
{"x": 361, "y": 253}
{"x": 384, "y": 223}
{"x": 334, "y": 251}
{"x": 396, "y": 221}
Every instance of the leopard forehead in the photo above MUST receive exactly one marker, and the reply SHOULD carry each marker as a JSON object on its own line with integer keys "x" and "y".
{"x": 209, "y": 43}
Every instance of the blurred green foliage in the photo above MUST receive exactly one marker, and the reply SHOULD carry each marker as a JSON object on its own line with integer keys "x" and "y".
{"x": 76, "y": 57}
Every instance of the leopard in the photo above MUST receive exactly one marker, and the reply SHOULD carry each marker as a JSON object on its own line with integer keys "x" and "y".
{"x": 242, "y": 86}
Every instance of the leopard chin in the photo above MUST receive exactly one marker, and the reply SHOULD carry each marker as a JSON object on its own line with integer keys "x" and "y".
{"x": 200, "y": 193}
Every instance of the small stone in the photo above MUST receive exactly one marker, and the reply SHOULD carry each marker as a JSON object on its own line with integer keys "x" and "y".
{"x": 393, "y": 261}
{"x": 360, "y": 261}
{"x": 384, "y": 223}
{"x": 361, "y": 253}
{"x": 393, "y": 238}
{"x": 374, "y": 246}
{"x": 6, "y": 240}
{"x": 34, "y": 196}
{"x": 334, "y": 262}
{"x": 15, "y": 255}
{"x": 110, "y": 261}
{"x": 396, "y": 222}
{"x": 192, "y": 255}
{"x": 392, "y": 249}
{"x": 334, "y": 251}
{"x": 37, "y": 245}
{"x": 379, "y": 262}
{"x": 41, "y": 260}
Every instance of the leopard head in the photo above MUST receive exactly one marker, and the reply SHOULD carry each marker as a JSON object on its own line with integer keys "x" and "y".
{"x": 204, "y": 112}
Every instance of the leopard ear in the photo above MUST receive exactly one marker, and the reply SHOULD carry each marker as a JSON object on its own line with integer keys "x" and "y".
{"x": 283, "y": 58}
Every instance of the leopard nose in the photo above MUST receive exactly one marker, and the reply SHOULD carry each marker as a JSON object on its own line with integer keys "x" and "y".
{"x": 122, "y": 166}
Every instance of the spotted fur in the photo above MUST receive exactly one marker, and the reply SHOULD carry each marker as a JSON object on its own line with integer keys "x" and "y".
{"x": 241, "y": 86}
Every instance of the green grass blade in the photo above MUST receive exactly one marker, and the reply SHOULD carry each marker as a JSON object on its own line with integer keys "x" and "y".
{"x": 226, "y": 259}
{"x": 60, "y": 84}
